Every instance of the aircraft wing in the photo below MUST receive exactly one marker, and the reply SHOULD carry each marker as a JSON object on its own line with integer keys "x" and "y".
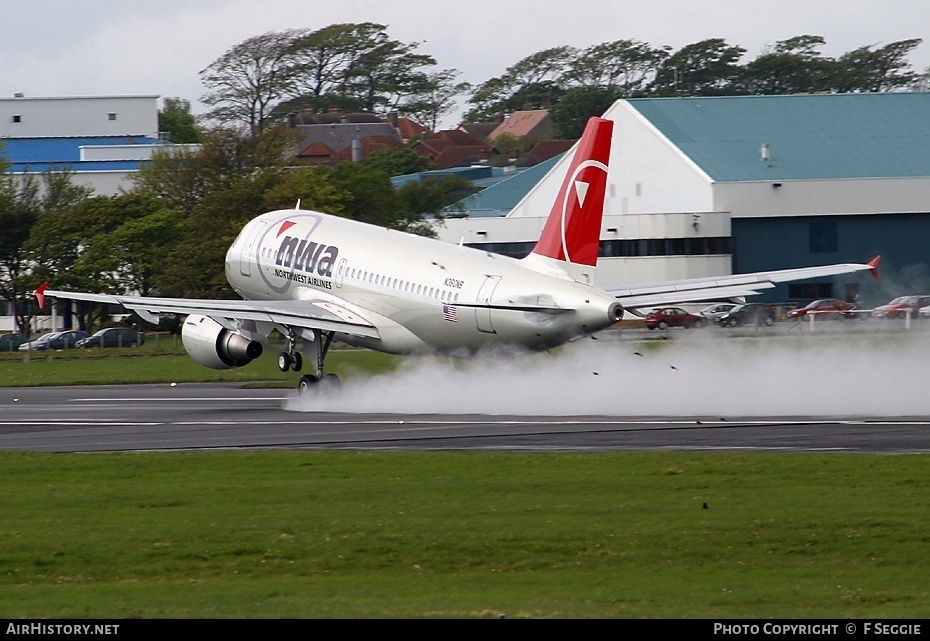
{"x": 306, "y": 314}
{"x": 696, "y": 290}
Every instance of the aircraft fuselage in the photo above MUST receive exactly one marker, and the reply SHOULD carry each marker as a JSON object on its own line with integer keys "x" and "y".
{"x": 422, "y": 294}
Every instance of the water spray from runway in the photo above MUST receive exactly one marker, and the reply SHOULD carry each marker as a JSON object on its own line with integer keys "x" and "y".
{"x": 834, "y": 376}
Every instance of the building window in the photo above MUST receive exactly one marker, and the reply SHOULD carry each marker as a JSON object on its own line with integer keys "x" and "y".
{"x": 111, "y": 116}
{"x": 823, "y": 236}
{"x": 810, "y": 291}
{"x": 17, "y": 118}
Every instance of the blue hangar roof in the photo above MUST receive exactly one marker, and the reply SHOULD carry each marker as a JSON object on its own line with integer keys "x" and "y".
{"x": 811, "y": 136}
{"x": 38, "y": 154}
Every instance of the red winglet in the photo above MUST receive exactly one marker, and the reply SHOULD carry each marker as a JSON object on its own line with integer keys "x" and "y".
{"x": 874, "y": 265}
{"x": 40, "y": 294}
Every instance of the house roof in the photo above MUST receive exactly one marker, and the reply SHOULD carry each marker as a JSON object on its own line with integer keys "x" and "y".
{"x": 815, "y": 136}
{"x": 455, "y": 156}
{"x": 546, "y": 149}
{"x": 409, "y": 128}
{"x": 370, "y": 144}
{"x": 479, "y": 130}
{"x": 339, "y": 136}
{"x": 524, "y": 123}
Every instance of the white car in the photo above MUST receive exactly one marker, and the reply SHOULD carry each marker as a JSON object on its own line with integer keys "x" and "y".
{"x": 715, "y": 311}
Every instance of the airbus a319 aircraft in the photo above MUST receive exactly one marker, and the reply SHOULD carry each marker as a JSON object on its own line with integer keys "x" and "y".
{"x": 318, "y": 278}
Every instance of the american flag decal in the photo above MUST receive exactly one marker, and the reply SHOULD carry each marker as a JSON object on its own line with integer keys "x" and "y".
{"x": 448, "y": 313}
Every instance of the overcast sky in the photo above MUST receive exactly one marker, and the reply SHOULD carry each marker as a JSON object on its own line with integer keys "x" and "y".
{"x": 120, "y": 47}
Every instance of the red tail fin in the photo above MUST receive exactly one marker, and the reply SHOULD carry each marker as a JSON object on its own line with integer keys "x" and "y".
{"x": 573, "y": 230}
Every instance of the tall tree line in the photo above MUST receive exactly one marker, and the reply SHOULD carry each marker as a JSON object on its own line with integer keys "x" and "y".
{"x": 355, "y": 67}
{"x": 358, "y": 67}
{"x": 578, "y": 83}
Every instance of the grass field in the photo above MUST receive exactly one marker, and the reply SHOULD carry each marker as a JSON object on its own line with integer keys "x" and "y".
{"x": 355, "y": 534}
{"x": 164, "y": 361}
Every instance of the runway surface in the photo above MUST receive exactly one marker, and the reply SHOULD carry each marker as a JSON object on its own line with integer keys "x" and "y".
{"x": 204, "y": 416}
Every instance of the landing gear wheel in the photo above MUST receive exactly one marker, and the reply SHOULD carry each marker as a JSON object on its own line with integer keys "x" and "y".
{"x": 308, "y": 383}
{"x": 297, "y": 362}
{"x": 284, "y": 361}
{"x": 331, "y": 381}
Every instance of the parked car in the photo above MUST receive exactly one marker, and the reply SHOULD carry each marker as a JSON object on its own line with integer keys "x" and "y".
{"x": 825, "y": 309}
{"x": 11, "y": 342}
{"x": 114, "y": 337}
{"x": 748, "y": 314}
{"x": 901, "y": 306}
{"x": 673, "y": 317}
{"x": 55, "y": 340}
{"x": 715, "y": 311}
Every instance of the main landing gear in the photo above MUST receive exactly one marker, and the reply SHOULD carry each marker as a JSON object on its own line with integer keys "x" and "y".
{"x": 315, "y": 350}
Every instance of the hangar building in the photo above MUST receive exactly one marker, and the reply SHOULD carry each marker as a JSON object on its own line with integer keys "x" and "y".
{"x": 708, "y": 186}
{"x": 102, "y": 139}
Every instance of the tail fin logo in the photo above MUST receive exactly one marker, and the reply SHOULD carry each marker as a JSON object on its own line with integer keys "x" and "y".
{"x": 569, "y": 211}
{"x": 572, "y": 231}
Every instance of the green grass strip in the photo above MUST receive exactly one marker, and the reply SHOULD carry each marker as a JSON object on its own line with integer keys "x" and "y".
{"x": 360, "y": 534}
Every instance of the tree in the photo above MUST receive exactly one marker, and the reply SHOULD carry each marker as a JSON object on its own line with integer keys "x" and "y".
{"x": 177, "y": 123}
{"x": 184, "y": 178}
{"x": 309, "y": 186}
{"x": 324, "y": 58}
{"x": 422, "y": 204}
{"x": 570, "y": 114}
{"x": 112, "y": 244}
{"x": 251, "y": 78}
{"x": 397, "y": 162}
{"x": 875, "y": 69}
{"x": 25, "y": 202}
{"x": 626, "y": 67}
{"x": 385, "y": 75}
{"x": 434, "y": 97}
{"x": 19, "y": 208}
{"x": 130, "y": 257}
{"x": 535, "y": 82}
{"x": 706, "y": 68}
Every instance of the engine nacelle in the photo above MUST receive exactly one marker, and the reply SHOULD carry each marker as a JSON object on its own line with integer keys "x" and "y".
{"x": 214, "y": 346}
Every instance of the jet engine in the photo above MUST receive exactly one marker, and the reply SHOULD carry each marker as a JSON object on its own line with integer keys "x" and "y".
{"x": 214, "y": 346}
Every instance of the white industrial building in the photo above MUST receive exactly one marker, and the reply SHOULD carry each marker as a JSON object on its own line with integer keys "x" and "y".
{"x": 102, "y": 139}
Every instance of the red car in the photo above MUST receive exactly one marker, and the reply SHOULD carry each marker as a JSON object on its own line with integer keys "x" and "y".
{"x": 825, "y": 308}
{"x": 901, "y": 306}
{"x": 673, "y": 317}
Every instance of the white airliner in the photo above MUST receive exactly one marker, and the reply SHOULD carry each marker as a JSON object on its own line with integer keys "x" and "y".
{"x": 318, "y": 278}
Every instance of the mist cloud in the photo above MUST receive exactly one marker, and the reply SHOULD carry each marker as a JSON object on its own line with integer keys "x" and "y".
{"x": 696, "y": 375}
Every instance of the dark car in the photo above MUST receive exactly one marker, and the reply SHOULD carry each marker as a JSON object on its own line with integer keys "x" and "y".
{"x": 114, "y": 337}
{"x": 673, "y": 317}
{"x": 55, "y": 340}
{"x": 748, "y": 314}
{"x": 825, "y": 308}
{"x": 11, "y": 342}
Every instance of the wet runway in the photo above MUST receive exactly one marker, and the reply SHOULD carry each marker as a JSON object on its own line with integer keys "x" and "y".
{"x": 205, "y": 416}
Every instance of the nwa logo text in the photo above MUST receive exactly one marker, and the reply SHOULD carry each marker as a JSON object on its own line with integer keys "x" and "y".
{"x": 309, "y": 257}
